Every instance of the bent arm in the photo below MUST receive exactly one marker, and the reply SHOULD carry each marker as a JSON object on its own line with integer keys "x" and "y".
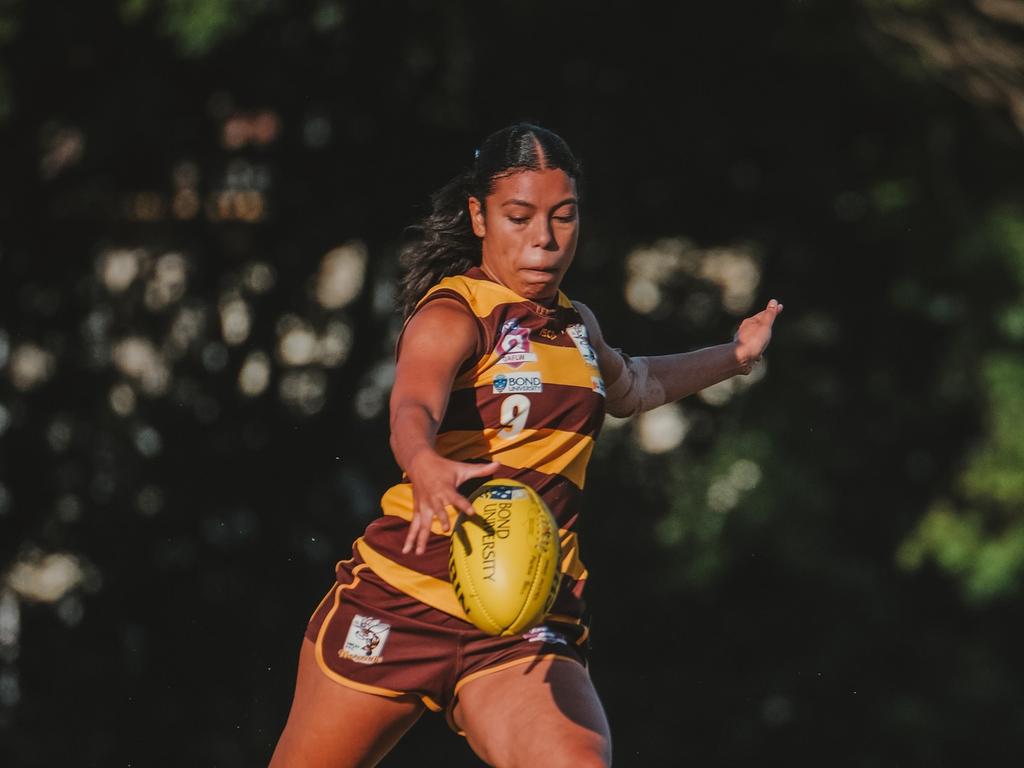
{"x": 437, "y": 340}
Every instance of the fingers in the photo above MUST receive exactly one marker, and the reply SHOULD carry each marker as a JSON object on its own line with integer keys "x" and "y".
{"x": 422, "y": 520}
{"x": 772, "y": 311}
{"x": 421, "y": 538}
{"x": 467, "y": 471}
{"x": 479, "y": 470}
{"x": 436, "y": 497}
{"x": 410, "y": 537}
{"x": 463, "y": 504}
{"x": 419, "y": 532}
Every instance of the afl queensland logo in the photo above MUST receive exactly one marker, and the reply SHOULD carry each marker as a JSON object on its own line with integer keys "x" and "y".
{"x": 514, "y": 345}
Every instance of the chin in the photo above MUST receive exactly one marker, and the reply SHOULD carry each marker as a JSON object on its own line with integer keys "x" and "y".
{"x": 541, "y": 290}
{"x": 541, "y": 296}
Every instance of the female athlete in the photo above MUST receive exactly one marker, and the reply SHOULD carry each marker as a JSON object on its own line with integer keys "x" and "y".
{"x": 498, "y": 374}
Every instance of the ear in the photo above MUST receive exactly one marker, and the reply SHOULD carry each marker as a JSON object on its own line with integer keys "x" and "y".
{"x": 476, "y": 217}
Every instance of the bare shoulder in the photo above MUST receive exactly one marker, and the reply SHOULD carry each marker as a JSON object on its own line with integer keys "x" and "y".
{"x": 444, "y": 328}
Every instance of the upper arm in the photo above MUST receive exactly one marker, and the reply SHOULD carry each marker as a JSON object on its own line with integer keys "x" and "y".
{"x": 439, "y": 337}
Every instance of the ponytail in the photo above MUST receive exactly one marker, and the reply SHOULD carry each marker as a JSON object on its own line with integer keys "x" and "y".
{"x": 445, "y": 243}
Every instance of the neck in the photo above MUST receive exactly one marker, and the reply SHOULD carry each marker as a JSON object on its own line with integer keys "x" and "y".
{"x": 490, "y": 274}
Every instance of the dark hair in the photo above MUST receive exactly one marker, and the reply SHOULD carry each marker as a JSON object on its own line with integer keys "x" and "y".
{"x": 444, "y": 243}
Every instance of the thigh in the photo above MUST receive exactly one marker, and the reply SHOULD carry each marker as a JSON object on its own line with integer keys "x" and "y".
{"x": 544, "y": 714}
{"x": 336, "y": 726}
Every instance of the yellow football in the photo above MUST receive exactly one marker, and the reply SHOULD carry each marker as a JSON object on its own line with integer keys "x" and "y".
{"x": 504, "y": 559}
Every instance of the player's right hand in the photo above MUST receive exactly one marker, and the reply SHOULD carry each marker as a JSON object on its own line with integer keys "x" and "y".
{"x": 435, "y": 481}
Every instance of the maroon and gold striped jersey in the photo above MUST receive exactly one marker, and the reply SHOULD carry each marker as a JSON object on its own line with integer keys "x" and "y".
{"x": 531, "y": 398}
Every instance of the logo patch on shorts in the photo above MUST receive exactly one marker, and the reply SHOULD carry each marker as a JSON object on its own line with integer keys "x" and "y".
{"x": 545, "y": 634}
{"x": 516, "y": 383}
{"x": 365, "y": 641}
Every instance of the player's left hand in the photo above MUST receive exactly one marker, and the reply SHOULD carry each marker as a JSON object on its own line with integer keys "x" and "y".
{"x": 753, "y": 335}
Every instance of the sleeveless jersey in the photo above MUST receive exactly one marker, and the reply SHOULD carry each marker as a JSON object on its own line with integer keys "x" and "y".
{"x": 531, "y": 399}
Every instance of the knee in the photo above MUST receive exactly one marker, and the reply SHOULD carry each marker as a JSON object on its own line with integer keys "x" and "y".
{"x": 569, "y": 754}
{"x": 588, "y": 760}
{"x": 577, "y": 756}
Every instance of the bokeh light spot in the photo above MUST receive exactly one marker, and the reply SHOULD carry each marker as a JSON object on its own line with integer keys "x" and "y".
{"x": 30, "y": 366}
{"x": 118, "y": 268}
{"x": 662, "y": 429}
{"x": 235, "y": 318}
{"x": 254, "y": 376}
{"x": 45, "y": 578}
{"x": 342, "y": 271}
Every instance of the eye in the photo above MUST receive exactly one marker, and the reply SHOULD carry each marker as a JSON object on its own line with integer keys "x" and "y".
{"x": 567, "y": 215}
{"x": 518, "y": 219}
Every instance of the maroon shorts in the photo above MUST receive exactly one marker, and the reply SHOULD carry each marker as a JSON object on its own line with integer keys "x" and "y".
{"x": 371, "y": 637}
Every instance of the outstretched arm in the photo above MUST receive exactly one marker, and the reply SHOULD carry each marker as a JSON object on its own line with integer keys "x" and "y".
{"x": 641, "y": 383}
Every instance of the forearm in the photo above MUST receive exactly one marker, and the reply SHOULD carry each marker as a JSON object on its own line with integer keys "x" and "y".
{"x": 413, "y": 430}
{"x": 637, "y": 384}
{"x": 689, "y": 372}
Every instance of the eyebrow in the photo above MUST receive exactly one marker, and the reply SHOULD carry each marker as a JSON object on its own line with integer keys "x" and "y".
{"x": 527, "y": 204}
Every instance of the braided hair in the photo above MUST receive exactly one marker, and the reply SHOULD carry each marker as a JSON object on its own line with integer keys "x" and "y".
{"x": 444, "y": 243}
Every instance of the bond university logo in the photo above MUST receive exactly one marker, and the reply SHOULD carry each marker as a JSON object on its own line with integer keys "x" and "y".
{"x": 516, "y": 383}
{"x": 578, "y": 334}
{"x": 365, "y": 641}
{"x": 514, "y": 345}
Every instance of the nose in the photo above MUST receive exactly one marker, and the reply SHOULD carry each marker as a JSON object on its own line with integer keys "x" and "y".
{"x": 543, "y": 235}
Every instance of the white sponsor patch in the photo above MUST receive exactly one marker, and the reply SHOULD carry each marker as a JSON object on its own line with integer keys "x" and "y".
{"x": 597, "y": 383}
{"x": 516, "y": 383}
{"x": 545, "y": 634}
{"x": 578, "y": 333}
{"x": 365, "y": 641}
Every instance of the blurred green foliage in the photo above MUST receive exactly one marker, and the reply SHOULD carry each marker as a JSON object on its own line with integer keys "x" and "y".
{"x": 800, "y": 561}
{"x": 975, "y": 530}
{"x": 196, "y": 26}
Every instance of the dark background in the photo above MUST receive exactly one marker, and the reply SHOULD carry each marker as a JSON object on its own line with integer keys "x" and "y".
{"x": 821, "y": 565}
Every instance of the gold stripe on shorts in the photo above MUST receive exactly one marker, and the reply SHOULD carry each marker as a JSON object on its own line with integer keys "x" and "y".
{"x": 428, "y": 702}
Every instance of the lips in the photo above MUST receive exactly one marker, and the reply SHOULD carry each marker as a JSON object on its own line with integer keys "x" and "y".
{"x": 541, "y": 272}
